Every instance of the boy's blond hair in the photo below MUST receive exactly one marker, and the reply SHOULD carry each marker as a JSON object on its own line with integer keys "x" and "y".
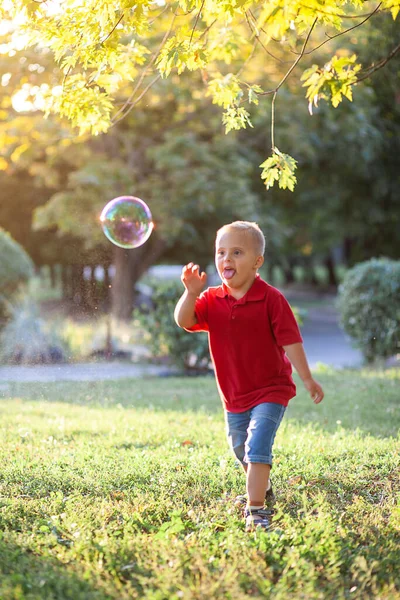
{"x": 252, "y": 229}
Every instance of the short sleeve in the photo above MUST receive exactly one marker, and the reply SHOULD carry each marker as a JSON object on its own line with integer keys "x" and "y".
{"x": 284, "y": 325}
{"x": 201, "y": 310}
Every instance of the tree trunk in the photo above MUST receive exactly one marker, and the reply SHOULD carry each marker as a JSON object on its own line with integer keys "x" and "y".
{"x": 330, "y": 266}
{"x": 106, "y": 289}
{"x": 66, "y": 282}
{"x": 122, "y": 285}
{"x": 90, "y": 288}
{"x": 267, "y": 271}
{"x": 78, "y": 284}
{"x": 288, "y": 270}
{"x": 129, "y": 267}
{"x": 308, "y": 276}
{"x": 53, "y": 276}
{"x": 348, "y": 247}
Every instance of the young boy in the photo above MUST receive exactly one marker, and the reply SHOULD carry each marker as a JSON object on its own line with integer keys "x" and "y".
{"x": 253, "y": 335}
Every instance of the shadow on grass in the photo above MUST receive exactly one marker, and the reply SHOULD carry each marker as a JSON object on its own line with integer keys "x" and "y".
{"x": 25, "y": 574}
{"x": 365, "y": 559}
{"x": 354, "y": 400}
{"x": 35, "y": 487}
{"x": 375, "y": 490}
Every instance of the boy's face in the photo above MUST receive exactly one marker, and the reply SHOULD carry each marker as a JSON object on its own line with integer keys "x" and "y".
{"x": 236, "y": 258}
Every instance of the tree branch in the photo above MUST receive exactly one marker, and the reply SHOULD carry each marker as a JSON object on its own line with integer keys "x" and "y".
{"x": 158, "y": 16}
{"x": 282, "y": 81}
{"x": 273, "y": 120}
{"x": 129, "y": 102}
{"x": 195, "y": 23}
{"x": 275, "y": 91}
{"x": 332, "y": 37}
{"x": 248, "y": 59}
{"x": 133, "y": 103}
{"x": 101, "y": 42}
{"x": 379, "y": 64}
{"x": 113, "y": 29}
{"x": 208, "y": 29}
{"x": 325, "y": 12}
{"x": 253, "y": 29}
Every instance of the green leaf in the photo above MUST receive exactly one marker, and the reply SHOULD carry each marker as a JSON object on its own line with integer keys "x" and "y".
{"x": 332, "y": 82}
{"x": 252, "y": 94}
{"x": 279, "y": 168}
{"x": 236, "y": 118}
{"x": 225, "y": 91}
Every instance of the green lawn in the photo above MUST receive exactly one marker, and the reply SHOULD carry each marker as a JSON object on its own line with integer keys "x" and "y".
{"x": 123, "y": 490}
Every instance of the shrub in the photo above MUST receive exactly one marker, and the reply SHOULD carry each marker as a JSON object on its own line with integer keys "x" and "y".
{"x": 27, "y": 339}
{"x": 369, "y": 304}
{"x": 165, "y": 338}
{"x": 16, "y": 268}
{"x": 98, "y": 338}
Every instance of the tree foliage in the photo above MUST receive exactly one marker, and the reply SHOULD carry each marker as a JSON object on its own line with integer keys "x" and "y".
{"x": 164, "y": 338}
{"x": 186, "y": 177}
{"x": 15, "y": 268}
{"x": 109, "y": 54}
{"x": 170, "y": 150}
{"x": 369, "y": 304}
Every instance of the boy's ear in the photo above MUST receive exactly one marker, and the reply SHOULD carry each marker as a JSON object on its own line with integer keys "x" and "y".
{"x": 259, "y": 262}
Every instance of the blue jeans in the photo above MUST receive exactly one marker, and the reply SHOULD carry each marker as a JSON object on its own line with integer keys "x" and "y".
{"x": 251, "y": 434}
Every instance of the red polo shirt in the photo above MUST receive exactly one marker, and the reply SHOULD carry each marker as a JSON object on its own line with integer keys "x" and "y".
{"x": 246, "y": 338}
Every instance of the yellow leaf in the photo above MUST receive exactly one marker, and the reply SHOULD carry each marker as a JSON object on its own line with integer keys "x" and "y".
{"x": 3, "y": 164}
{"x": 294, "y": 480}
{"x": 16, "y": 155}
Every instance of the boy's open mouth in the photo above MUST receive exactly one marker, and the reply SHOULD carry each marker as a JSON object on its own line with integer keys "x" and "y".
{"x": 228, "y": 273}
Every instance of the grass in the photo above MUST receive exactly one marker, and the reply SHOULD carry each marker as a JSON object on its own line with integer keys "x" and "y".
{"x": 123, "y": 490}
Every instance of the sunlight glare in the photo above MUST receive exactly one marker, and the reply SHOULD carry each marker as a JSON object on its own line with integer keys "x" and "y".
{"x": 5, "y": 79}
{"x": 30, "y": 98}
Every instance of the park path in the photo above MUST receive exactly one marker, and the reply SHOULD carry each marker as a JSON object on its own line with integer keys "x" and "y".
{"x": 324, "y": 342}
{"x": 92, "y": 371}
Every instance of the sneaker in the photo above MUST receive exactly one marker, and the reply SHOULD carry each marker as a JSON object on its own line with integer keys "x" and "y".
{"x": 257, "y": 517}
{"x": 241, "y": 500}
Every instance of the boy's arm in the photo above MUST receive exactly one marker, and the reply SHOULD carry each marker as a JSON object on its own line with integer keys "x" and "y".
{"x": 297, "y": 356}
{"x": 184, "y": 311}
{"x": 193, "y": 281}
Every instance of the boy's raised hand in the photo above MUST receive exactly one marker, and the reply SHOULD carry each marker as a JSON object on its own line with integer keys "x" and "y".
{"x": 192, "y": 279}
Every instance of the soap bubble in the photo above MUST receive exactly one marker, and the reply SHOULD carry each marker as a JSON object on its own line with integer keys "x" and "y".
{"x": 127, "y": 221}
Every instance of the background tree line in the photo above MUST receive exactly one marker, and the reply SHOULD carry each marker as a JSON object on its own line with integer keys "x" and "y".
{"x": 172, "y": 151}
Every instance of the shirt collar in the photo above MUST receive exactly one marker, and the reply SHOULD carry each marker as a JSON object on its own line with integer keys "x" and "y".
{"x": 256, "y": 292}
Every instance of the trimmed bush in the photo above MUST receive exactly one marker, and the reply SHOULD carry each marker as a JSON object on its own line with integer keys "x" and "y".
{"x": 28, "y": 339}
{"x": 163, "y": 336}
{"x": 369, "y": 304}
{"x": 16, "y": 268}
